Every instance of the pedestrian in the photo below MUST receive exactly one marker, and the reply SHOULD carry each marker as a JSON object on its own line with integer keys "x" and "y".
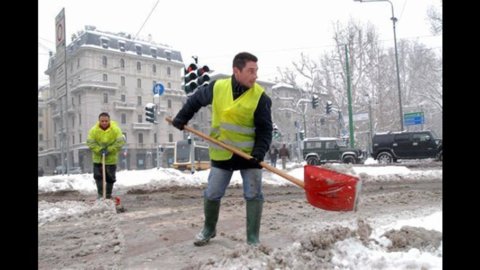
{"x": 284, "y": 154}
{"x": 241, "y": 117}
{"x": 273, "y": 153}
{"x": 105, "y": 138}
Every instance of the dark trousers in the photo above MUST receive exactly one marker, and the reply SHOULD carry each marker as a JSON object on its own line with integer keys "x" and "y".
{"x": 110, "y": 171}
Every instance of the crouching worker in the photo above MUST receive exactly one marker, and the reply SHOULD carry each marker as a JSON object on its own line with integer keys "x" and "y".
{"x": 241, "y": 117}
{"x": 105, "y": 138}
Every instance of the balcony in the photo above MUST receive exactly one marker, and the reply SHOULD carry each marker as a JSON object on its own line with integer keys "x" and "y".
{"x": 71, "y": 109}
{"x": 119, "y": 105}
{"x": 142, "y": 126}
{"x": 56, "y": 114}
{"x": 79, "y": 85}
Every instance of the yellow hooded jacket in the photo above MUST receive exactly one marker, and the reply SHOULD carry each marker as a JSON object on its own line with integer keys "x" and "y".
{"x": 112, "y": 139}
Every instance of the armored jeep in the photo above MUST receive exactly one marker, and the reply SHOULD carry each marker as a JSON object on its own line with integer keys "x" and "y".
{"x": 320, "y": 150}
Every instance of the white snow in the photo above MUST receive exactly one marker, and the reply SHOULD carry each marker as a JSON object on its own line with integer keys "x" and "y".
{"x": 349, "y": 254}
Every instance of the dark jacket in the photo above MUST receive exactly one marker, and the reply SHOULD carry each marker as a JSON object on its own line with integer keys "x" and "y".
{"x": 203, "y": 96}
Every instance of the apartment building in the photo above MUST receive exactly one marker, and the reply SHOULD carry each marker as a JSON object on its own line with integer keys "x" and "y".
{"x": 114, "y": 73}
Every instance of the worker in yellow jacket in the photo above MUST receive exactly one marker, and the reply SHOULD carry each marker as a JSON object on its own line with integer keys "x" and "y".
{"x": 105, "y": 138}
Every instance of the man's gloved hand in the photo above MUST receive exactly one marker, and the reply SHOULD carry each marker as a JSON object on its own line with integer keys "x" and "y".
{"x": 104, "y": 151}
{"x": 178, "y": 123}
{"x": 255, "y": 162}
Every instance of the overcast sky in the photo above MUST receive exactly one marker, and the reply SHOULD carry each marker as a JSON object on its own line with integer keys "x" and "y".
{"x": 277, "y": 31}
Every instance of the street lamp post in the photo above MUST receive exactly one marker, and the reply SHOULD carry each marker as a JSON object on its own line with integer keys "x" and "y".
{"x": 394, "y": 20}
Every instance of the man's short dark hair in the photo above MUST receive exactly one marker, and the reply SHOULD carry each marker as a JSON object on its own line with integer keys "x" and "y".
{"x": 241, "y": 59}
{"x": 103, "y": 114}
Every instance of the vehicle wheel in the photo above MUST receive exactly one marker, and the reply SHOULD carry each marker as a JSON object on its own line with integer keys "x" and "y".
{"x": 349, "y": 160}
{"x": 384, "y": 158}
{"x": 312, "y": 161}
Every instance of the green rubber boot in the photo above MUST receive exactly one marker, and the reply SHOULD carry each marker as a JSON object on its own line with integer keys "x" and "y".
{"x": 254, "y": 215}
{"x": 211, "y": 210}
{"x": 99, "y": 189}
{"x": 108, "y": 190}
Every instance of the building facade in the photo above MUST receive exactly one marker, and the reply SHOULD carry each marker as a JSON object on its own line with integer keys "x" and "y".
{"x": 108, "y": 72}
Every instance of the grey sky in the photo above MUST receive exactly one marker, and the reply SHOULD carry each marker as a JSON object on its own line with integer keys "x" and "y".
{"x": 277, "y": 31}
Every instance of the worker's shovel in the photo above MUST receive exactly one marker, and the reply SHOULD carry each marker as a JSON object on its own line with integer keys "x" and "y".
{"x": 324, "y": 188}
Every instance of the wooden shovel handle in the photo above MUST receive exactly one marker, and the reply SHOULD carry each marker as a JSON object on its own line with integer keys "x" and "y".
{"x": 104, "y": 177}
{"x": 236, "y": 151}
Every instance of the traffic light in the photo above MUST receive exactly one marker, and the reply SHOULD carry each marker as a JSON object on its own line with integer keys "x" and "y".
{"x": 202, "y": 76}
{"x": 314, "y": 101}
{"x": 151, "y": 112}
{"x": 301, "y": 133}
{"x": 329, "y": 107}
{"x": 276, "y": 133}
{"x": 190, "y": 79}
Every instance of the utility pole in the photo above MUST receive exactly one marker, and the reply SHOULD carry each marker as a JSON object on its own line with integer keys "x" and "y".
{"x": 349, "y": 92}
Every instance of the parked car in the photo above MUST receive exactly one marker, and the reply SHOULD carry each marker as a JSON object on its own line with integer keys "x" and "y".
{"x": 320, "y": 150}
{"x": 59, "y": 170}
{"x": 388, "y": 147}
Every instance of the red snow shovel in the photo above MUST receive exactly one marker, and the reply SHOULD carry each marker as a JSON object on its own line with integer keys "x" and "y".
{"x": 324, "y": 188}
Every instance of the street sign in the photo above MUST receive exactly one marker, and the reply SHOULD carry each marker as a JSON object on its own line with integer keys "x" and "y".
{"x": 158, "y": 89}
{"x": 60, "y": 29}
{"x": 415, "y": 118}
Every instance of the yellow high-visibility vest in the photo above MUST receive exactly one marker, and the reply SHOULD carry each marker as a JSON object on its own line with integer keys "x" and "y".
{"x": 232, "y": 120}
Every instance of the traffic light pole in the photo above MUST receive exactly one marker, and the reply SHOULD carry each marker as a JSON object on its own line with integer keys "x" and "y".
{"x": 349, "y": 92}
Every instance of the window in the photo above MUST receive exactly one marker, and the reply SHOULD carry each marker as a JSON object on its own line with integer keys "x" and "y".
{"x": 79, "y": 99}
{"x": 139, "y": 83}
{"x": 123, "y": 98}
{"x": 104, "y": 41}
{"x": 154, "y": 68}
{"x": 122, "y": 80}
{"x": 122, "y": 63}
{"x": 140, "y": 137}
{"x": 330, "y": 145}
{"x": 78, "y": 62}
{"x": 139, "y": 100}
{"x": 125, "y": 136}
{"x": 104, "y": 61}
{"x": 80, "y": 137}
{"x": 169, "y": 85}
{"x": 139, "y": 118}
{"x": 169, "y": 72}
{"x": 124, "y": 118}
{"x": 170, "y": 137}
{"x": 168, "y": 53}
{"x": 40, "y": 137}
{"x": 105, "y": 77}
{"x": 138, "y": 48}
{"x": 154, "y": 52}
{"x": 79, "y": 118}
{"x": 139, "y": 66}
{"x": 401, "y": 137}
{"x": 169, "y": 103}
{"x": 154, "y": 82}
{"x": 155, "y": 138}
{"x": 73, "y": 139}
{"x": 105, "y": 98}
{"x": 121, "y": 45}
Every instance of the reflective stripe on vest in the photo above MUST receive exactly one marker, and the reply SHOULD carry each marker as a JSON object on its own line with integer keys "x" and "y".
{"x": 232, "y": 120}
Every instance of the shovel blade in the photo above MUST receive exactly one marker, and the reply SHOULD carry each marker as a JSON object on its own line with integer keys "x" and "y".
{"x": 331, "y": 190}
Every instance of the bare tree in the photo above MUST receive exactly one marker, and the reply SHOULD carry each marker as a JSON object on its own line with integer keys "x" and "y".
{"x": 434, "y": 16}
